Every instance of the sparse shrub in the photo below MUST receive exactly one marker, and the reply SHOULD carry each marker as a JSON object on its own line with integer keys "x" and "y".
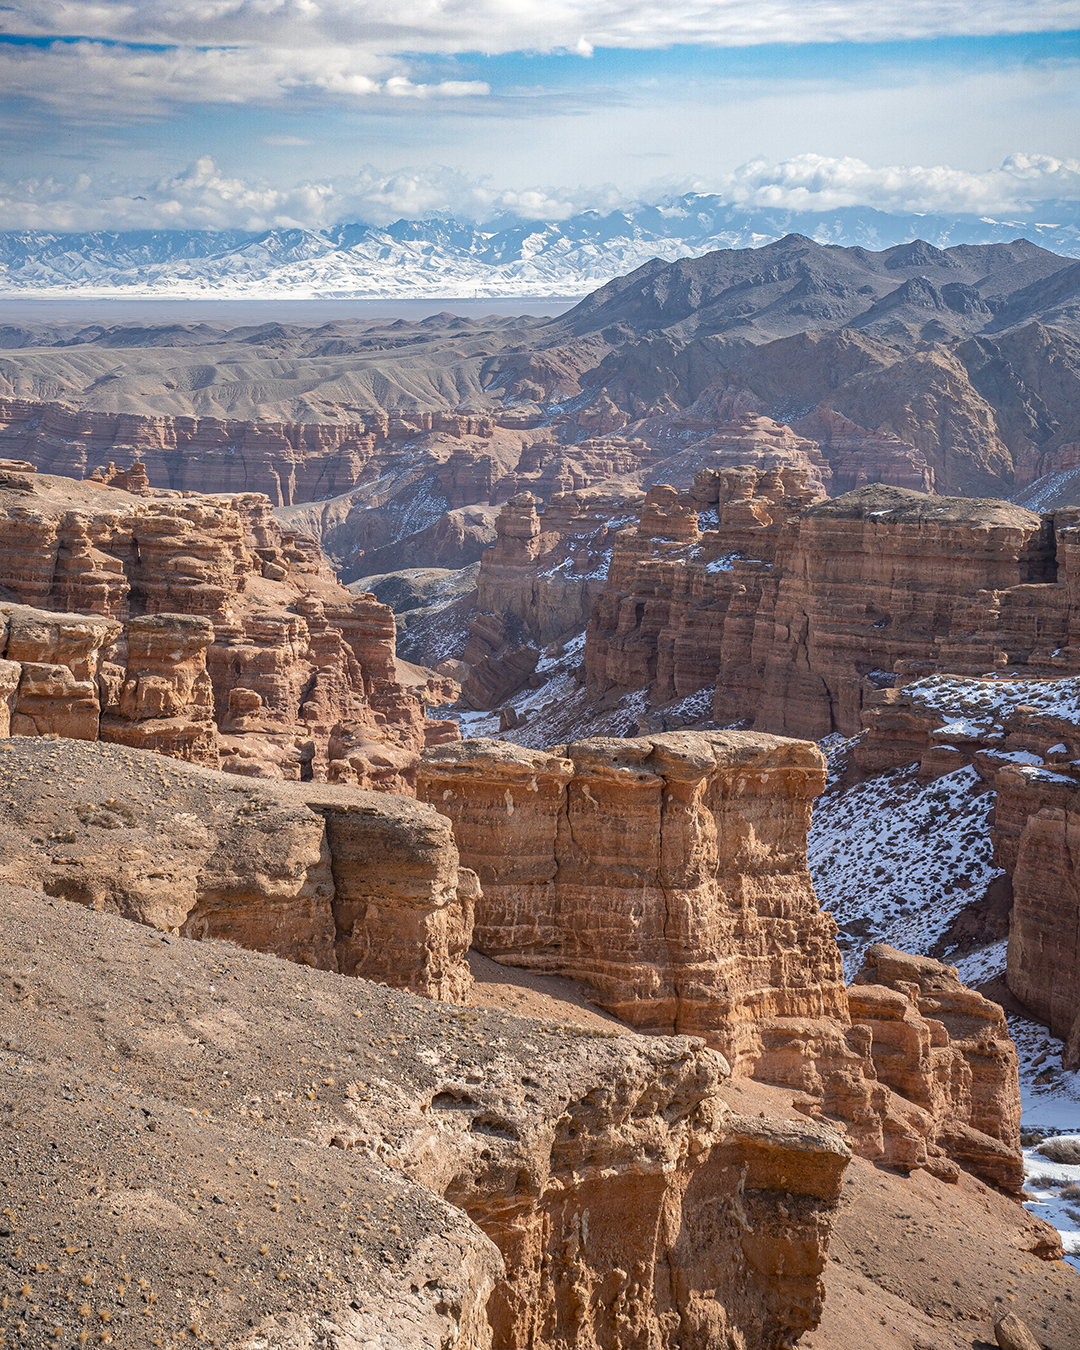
{"x": 1064, "y": 1149}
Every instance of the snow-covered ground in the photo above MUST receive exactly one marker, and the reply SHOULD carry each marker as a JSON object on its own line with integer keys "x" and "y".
{"x": 1056, "y": 1191}
{"x": 987, "y": 702}
{"x": 896, "y": 861}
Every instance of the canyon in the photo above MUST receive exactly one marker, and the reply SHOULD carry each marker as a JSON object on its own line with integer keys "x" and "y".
{"x": 796, "y": 614}
{"x": 953, "y": 370}
{"x": 724, "y": 624}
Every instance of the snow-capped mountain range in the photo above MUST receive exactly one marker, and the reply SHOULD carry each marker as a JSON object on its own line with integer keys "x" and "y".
{"x": 444, "y": 257}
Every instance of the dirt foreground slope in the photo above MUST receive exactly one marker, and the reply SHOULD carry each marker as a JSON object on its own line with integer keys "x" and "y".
{"x": 207, "y": 1144}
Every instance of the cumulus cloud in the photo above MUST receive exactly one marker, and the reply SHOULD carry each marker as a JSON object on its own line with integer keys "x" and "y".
{"x": 818, "y": 183}
{"x": 543, "y": 25}
{"x": 202, "y": 197}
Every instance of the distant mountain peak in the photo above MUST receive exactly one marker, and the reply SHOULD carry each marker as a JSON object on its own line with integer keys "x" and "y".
{"x": 506, "y": 256}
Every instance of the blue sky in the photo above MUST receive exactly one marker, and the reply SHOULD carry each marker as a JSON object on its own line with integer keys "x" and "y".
{"x": 125, "y": 113}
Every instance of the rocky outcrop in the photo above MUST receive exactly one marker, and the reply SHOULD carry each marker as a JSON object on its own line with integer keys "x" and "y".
{"x": 537, "y": 585}
{"x": 883, "y": 581}
{"x": 669, "y": 872}
{"x": 548, "y": 565}
{"x": 549, "y": 469}
{"x": 799, "y": 614}
{"x": 1039, "y": 836}
{"x": 357, "y": 882}
{"x": 922, "y": 1070}
{"x": 680, "y": 602}
{"x": 287, "y": 461}
{"x": 487, "y": 1182}
{"x": 724, "y": 434}
{"x": 197, "y": 627}
{"x": 858, "y": 456}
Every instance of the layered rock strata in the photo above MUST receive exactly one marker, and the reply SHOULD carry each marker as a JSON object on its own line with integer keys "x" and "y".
{"x": 1022, "y": 737}
{"x": 288, "y": 461}
{"x": 669, "y": 872}
{"x": 921, "y": 1069}
{"x": 1044, "y": 925}
{"x": 798, "y": 614}
{"x": 680, "y": 602}
{"x": 197, "y": 627}
{"x": 537, "y": 585}
{"x": 358, "y": 882}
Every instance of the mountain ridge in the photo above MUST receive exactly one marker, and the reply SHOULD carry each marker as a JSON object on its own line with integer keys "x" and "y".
{"x": 442, "y": 256}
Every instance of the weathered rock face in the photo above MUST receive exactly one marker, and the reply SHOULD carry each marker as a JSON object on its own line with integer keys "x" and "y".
{"x": 206, "y": 632}
{"x": 1023, "y": 739}
{"x": 357, "y": 882}
{"x": 798, "y": 614}
{"x": 680, "y": 603}
{"x": 922, "y": 1070}
{"x": 726, "y": 435}
{"x": 615, "y": 1201}
{"x": 288, "y": 461}
{"x": 884, "y": 580}
{"x": 669, "y": 873}
{"x": 859, "y": 456}
{"x": 1044, "y": 926}
{"x": 537, "y": 585}
{"x": 547, "y": 566}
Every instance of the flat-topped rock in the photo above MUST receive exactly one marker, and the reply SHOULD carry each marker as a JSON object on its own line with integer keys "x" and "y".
{"x": 667, "y": 871}
{"x": 360, "y": 882}
{"x": 896, "y": 505}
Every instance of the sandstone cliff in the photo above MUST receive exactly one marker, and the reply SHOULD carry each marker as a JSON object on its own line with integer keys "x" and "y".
{"x": 537, "y": 585}
{"x": 669, "y": 872}
{"x": 1022, "y": 738}
{"x": 196, "y": 626}
{"x": 680, "y": 602}
{"x": 798, "y": 614}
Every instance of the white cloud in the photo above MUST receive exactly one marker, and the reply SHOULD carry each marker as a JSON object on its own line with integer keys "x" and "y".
{"x": 819, "y": 183}
{"x": 544, "y": 25}
{"x": 202, "y": 197}
{"x": 107, "y": 80}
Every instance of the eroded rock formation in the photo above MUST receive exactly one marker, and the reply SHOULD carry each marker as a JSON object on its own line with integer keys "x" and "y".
{"x": 798, "y": 614}
{"x": 537, "y": 585}
{"x": 197, "y": 627}
{"x": 669, "y": 872}
{"x": 680, "y": 603}
{"x": 1022, "y": 737}
{"x": 921, "y": 1069}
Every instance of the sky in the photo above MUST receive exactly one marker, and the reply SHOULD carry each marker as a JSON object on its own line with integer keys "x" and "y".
{"x": 251, "y": 114}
